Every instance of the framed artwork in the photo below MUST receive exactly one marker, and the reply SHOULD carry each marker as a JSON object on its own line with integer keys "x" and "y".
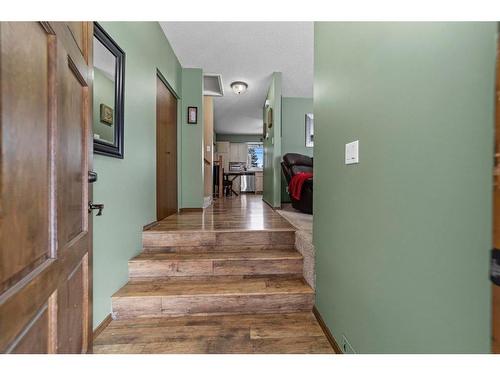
{"x": 309, "y": 130}
{"x": 106, "y": 114}
{"x": 270, "y": 118}
{"x": 192, "y": 115}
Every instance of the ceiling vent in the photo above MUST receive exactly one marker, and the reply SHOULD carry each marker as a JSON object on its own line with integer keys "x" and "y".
{"x": 212, "y": 85}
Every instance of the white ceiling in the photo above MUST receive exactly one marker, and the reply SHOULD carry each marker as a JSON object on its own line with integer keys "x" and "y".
{"x": 250, "y": 52}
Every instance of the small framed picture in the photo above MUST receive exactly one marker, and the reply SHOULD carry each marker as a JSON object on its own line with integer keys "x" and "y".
{"x": 270, "y": 118}
{"x": 106, "y": 114}
{"x": 309, "y": 130}
{"x": 192, "y": 115}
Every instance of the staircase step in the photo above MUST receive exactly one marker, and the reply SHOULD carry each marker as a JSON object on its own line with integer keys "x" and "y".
{"x": 157, "y": 239}
{"x": 270, "y": 262}
{"x": 220, "y": 295}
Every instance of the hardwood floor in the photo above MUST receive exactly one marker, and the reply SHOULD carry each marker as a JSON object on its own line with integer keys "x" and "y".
{"x": 244, "y": 333}
{"x": 244, "y": 213}
{"x": 225, "y": 280}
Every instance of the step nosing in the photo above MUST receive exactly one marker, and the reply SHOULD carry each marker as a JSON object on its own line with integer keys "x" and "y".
{"x": 154, "y": 259}
{"x": 226, "y": 230}
{"x": 233, "y": 294}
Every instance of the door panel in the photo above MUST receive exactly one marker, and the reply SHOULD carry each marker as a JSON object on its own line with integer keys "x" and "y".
{"x": 36, "y": 339}
{"x": 25, "y": 83}
{"x": 78, "y": 33}
{"x": 70, "y": 143}
{"x": 69, "y": 311}
{"x": 166, "y": 151}
{"x": 45, "y": 238}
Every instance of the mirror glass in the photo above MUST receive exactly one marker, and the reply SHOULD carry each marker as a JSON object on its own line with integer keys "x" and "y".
{"x": 104, "y": 118}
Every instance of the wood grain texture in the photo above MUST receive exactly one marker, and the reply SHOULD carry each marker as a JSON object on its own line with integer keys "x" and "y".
{"x": 217, "y": 296}
{"x": 225, "y": 280}
{"x": 45, "y": 230}
{"x": 208, "y": 144}
{"x": 166, "y": 151}
{"x": 36, "y": 340}
{"x": 244, "y": 213}
{"x": 155, "y": 265}
{"x": 25, "y": 175}
{"x": 107, "y": 320}
{"x": 243, "y": 333}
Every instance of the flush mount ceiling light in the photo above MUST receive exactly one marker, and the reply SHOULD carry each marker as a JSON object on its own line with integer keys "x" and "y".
{"x": 239, "y": 87}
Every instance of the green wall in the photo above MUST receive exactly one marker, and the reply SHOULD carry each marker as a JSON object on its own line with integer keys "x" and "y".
{"x": 128, "y": 187}
{"x": 402, "y": 239}
{"x": 104, "y": 93}
{"x": 272, "y": 146}
{"x": 293, "y": 131}
{"x": 192, "y": 140}
{"x": 238, "y": 138}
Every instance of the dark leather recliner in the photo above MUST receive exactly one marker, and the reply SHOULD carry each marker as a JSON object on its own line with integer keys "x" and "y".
{"x": 291, "y": 165}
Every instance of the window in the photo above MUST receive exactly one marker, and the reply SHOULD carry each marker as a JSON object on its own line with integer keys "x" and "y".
{"x": 255, "y": 155}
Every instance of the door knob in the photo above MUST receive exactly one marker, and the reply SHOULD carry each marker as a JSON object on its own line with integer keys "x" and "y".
{"x": 92, "y": 177}
{"x": 96, "y": 206}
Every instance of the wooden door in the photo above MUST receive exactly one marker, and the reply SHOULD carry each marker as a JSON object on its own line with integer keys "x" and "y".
{"x": 208, "y": 144}
{"x": 166, "y": 151}
{"x": 46, "y": 150}
{"x": 496, "y": 214}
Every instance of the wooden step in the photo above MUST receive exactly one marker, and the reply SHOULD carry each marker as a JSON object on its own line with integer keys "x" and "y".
{"x": 270, "y": 262}
{"x": 158, "y": 239}
{"x": 220, "y": 295}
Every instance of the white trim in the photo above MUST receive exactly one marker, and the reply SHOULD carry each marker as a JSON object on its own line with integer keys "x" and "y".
{"x": 207, "y": 201}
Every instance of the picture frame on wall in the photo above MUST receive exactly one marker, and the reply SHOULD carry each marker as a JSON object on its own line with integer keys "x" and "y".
{"x": 106, "y": 114}
{"x": 192, "y": 115}
{"x": 309, "y": 130}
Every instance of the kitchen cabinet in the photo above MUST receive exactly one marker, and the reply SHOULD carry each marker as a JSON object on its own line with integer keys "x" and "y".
{"x": 223, "y": 150}
{"x": 259, "y": 182}
{"x": 238, "y": 152}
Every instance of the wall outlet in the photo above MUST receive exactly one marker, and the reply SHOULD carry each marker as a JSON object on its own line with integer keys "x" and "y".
{"x": 346, "y": 347}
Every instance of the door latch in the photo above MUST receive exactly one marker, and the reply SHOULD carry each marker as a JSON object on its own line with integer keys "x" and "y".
{"x": 495, "y": 267}
{"x": 96, "y": 206}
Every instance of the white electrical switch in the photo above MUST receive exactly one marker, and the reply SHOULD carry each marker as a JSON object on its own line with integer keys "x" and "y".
{"x": 352, "y": 152}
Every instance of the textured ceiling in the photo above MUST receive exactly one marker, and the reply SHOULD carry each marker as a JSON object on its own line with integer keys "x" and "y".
{"x": 250, "y": 52}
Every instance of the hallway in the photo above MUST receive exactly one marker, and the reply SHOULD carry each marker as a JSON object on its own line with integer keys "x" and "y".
{"x": 249, "y": 186}
{"x": 225, "y": 280}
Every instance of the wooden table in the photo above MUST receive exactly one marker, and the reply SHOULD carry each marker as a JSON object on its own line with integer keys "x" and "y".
{"x": 235, "y": 175}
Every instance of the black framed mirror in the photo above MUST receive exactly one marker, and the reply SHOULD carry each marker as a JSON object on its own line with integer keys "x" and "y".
{"x": 108, "y": 94}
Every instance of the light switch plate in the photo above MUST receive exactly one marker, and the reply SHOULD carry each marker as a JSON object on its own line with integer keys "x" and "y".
{"x": 352, "y": 152}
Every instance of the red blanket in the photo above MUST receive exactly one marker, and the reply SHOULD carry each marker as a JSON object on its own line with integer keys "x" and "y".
{"x": 295, "y": 186}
